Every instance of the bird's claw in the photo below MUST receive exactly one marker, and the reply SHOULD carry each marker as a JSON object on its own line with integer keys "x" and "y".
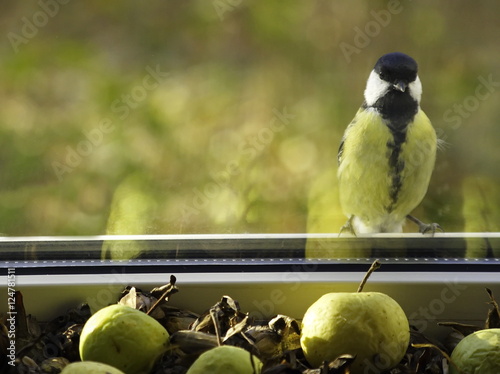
{"x": 348, "y": 227}
{"x": 430, "y": 227}
{"x": 424, "y": 228}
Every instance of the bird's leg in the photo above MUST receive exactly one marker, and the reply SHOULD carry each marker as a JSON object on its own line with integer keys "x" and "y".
{"x": 348, "y": 227}
{"x": 425, "y": 227}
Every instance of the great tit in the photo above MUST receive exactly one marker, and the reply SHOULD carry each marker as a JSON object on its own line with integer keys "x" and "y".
{"x": 388, "y": 151}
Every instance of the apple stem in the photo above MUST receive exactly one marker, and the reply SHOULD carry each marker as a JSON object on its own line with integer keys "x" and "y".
{"x": 375, "y": 265}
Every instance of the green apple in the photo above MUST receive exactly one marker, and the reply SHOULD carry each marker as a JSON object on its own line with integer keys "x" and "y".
{"x": 226, "y": 359}
{"x": 123, "y": 337}
{"x": 90, "y": 367}
{"x": 477, "y": 353}
{"x": 370, "y": 325}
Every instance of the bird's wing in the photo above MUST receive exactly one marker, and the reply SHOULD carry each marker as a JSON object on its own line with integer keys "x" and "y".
{"x": 353, "y": 122}
{"x": 341, "y": 150}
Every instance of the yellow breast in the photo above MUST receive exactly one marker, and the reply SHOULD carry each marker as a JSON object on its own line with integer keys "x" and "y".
{"x": 365, "y": 176}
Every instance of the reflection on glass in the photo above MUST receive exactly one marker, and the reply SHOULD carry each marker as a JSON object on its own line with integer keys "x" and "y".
{"x": 176, "y": 118}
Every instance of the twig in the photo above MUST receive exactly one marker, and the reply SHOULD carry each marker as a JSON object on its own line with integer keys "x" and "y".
{"x": 171, "y": 289}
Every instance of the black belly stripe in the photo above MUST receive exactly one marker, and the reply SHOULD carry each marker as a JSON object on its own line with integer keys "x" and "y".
{"x": 396, "y": 166}
{"x": 398, "y": 110}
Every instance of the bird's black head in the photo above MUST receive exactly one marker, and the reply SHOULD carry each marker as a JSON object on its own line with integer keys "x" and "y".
{"x": 396, "y": 68}
{"x": 394, "y": 89}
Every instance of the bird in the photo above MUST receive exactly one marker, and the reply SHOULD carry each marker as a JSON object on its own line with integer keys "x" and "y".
{"x": 388, "y": 151}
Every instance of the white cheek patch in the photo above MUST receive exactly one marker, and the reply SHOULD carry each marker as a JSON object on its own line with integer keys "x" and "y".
{"x": 415, "y": 88}
{"x": 375, "y": 88}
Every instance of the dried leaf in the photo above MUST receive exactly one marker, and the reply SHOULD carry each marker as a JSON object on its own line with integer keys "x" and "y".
{"x": 137, "y": 300}
{"x": 267, "y": 342}
{"x": 71, "y": 342}
{"x": 27, "y": 327}
{"x": 289, "y": 330}
{"x": 419, "y": 358}
{"x": 220, "y": 317}
{"x": 176, "y": 319}
{"x": 280, "y": 335}
{"x": 432, "y": 346}
{"x": 493, "y": 319}
{"x": 231, "y": 303}
{"x": 214, "y": 314}
{"x": 30, "y": 365}
{"x": 168, "y": 290}
{"x": 157, "y": 292}
{"x": 462, "y": 328}
{"x": 341, "y": 365}
{"x": 191, "y": 342}
{"x": 236, "y": 329}
{"x": 452, "y": 340}
{"x": 54, "y": 365}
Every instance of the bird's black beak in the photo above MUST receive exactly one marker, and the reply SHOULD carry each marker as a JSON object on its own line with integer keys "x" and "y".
{"x": 400, "y": 86}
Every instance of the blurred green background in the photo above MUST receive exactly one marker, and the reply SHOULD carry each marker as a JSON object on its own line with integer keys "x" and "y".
{"x": 225, "y": 116}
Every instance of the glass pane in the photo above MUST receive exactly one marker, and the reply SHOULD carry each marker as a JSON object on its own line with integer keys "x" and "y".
{"x": 218, "y": 117}
{"x": 201, "y": 139}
